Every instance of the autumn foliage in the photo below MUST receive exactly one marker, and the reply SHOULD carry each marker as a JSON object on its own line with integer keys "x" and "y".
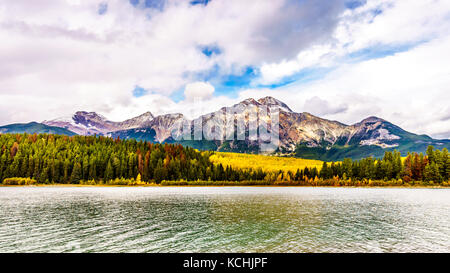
{"x": 91, "y": 160}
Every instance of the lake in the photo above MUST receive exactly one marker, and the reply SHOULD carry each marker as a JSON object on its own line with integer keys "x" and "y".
{"x": 223, "y": 219}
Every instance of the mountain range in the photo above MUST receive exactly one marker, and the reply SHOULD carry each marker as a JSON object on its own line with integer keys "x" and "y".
{"x": 301, "y": 134}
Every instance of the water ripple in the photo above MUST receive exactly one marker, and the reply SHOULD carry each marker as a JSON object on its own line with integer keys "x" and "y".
{"x": 224, "y": 220}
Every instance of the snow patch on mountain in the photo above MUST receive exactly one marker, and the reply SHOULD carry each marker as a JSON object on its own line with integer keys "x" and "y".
{"x": 383, "y": 135}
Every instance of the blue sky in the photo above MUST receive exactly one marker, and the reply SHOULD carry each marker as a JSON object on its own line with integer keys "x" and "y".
{"x": 342, "y": 60}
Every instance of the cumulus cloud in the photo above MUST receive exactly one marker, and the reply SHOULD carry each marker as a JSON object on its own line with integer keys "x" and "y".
{"x": 378, "y": 23}
{"x": 446, "y": 116}
{"x": 198, "y": 91}
{"x": 321, "y": 107}
{"x": 93, "y": 53}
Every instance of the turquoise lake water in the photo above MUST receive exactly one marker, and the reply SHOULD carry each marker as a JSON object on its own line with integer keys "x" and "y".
{"x": 223, "y": 219}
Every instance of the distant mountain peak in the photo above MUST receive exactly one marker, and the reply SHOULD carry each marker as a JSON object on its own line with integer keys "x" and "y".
{"x": 145, "y": 117}
{"x": 267, "y": 101}
{"x": 372, "y": 119}
{"x": 91, "y": 115}
{"x": 90, "y": 123}
{"x": 271, "y": 101}
{"x": 249, "y": 101}
{"x": 148, "y": 113}
{"x": 168, "y": 117}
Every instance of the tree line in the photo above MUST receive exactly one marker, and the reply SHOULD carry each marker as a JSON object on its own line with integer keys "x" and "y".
{"x": 434, "y": 166}
{"x": 62, "y": 159}
{"x": 73, "y": 160}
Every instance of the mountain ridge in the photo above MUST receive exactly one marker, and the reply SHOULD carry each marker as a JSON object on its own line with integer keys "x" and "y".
{"x": 301, "y": 134}
{"x": 91, "y": 123}
{"x": 34, "y": 127}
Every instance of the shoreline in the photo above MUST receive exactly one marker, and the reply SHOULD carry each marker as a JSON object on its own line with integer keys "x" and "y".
{"x": 216, "y": 186}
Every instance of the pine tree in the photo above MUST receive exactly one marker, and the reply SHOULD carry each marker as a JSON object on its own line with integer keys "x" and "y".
{"x": 55, "y": 169}
{"x": 146, "y": 171}
{"x": 66, "y": 171}
{"x": 324, "y": 172}
{"x": 116, "y": 167}
{"x": 77, "y": 174}
{"x": 398, "y": 167}
{"x": 14, "y": 168}
{"x": 37, "y": 168}
{"x": 448, "y": 169}
{"x": 430, "y": 154}
{"x": 109, "y": 172}
{"x": 92, "y": 169}
{"x": 347, "y": 167}
{"x": 161, "y": 173}
{"x": 23, "y": 167}
{"x": 131, "y": 165}
{"x": 432, "y": 173}
{"x": 30, "y": 171}
{"x": 436, "y": 173}
{"x": 85, "y": 171}
{"x": 298, "y": 175}
{"x": 2, "y": 166}
{"x": 443, "y": 163}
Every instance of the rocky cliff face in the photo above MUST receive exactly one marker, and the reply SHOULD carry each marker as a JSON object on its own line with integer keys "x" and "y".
{"x": 141, "y": 121}
{"x": 160, "y": 129}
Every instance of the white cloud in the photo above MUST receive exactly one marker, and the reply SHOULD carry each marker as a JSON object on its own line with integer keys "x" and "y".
{"x": 66, "y": 53}
{"x": 322, "y": 107}
{"x": 198, "y": 91}
{"x": 320, "y": 55}
{"x": 379, "y": 23}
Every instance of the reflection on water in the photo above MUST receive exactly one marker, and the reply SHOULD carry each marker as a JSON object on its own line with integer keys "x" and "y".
{"x": 234, "y": 219}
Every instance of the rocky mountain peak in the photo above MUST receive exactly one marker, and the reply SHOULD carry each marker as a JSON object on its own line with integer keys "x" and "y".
{"x": 146, "y": 117}
{"x": 266, "y": 101}
{"x": 249, "y": 101}
{"x": 166, "y": 120}
{"x": 90, "y": 123}
{"x": 271, "y": 101}
{"x": 147, "y": 114}
{"x": 89, "y": 116}
{"x": 170, "y": 116}
{"x": 371, "y": 119}
{"x": 139, "y": 121}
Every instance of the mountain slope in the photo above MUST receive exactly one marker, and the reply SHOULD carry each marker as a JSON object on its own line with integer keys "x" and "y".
{"x": 370, "y": 137}
{"x": 34, "y": 127}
